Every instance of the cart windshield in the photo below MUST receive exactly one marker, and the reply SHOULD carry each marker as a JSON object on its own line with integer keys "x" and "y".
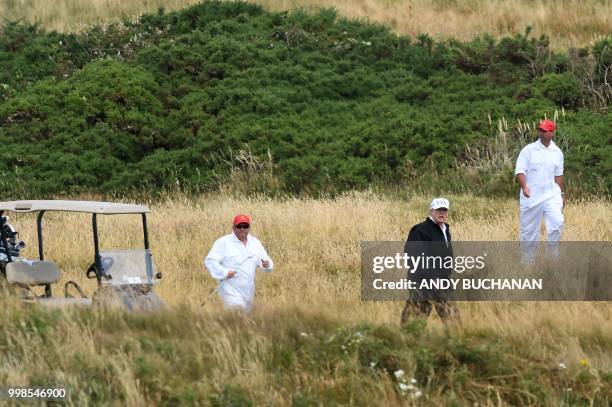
{"x": 128, "y": 267}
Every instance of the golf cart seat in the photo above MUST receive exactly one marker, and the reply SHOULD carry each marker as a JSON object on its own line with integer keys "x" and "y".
{"x": 36, "y": 273}
{"x": 28, "y": 274}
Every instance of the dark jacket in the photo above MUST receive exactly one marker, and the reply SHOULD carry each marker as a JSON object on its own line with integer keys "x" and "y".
{"x": 428, "y": 231}
{"x": 426, "y": 239}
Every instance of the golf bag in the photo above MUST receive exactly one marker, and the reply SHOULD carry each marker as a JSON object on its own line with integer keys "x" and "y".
{"x": 10, "y": 247}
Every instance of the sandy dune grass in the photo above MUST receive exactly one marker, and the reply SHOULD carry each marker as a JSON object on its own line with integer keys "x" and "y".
{"x": 566, "y": 22}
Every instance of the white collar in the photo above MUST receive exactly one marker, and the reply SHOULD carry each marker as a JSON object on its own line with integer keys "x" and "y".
{"x": 552, "y": 145}
{"x": 443, "y": 226}
{"x": 236, "y": 240}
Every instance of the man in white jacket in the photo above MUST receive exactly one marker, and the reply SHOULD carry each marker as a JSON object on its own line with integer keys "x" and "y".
{"x": 233, "y": 260}
{"x": 539, "y": 171}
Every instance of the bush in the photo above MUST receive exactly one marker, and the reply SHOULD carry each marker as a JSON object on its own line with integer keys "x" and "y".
{"x": 335, "y": 104}
{"x": 562, "y": 89}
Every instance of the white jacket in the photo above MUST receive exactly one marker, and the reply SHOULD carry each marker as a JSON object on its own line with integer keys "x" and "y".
{"x": 229, "y": 253}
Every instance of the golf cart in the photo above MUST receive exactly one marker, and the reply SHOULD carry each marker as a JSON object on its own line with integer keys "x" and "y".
{"x": 124, "y": 277}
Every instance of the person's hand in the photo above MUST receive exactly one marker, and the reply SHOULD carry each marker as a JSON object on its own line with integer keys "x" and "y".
{"x": 265, "y": 263}
{"x": 526, "y": 191}
{"x": 230, "y": 274}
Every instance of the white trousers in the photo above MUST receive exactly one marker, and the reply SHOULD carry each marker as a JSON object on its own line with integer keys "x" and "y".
{"x": 531, "y": 220}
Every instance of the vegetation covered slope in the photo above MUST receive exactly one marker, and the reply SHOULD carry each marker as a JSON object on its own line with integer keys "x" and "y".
{"x": 336, "y": 104}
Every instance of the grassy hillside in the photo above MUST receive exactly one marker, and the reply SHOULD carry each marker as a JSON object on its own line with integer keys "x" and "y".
{"x": 572, "y": 23}
{"x": 322, "y": 104}
{"x": 310, "y": 340}
{"x": 231, "y": 97}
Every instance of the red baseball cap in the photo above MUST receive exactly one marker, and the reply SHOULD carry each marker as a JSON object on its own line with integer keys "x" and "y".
{"x": 238, "y": 219}
{"x": 547, "y": 125}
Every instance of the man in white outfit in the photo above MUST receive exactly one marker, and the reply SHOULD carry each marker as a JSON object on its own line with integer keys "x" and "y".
{"x": 233, "y": 260}
{"x": 539, "y": 171}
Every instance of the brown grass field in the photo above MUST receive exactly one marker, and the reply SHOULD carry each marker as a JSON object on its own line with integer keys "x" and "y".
{"x": 568, "y": 23}
{"x": 315, "y": 244}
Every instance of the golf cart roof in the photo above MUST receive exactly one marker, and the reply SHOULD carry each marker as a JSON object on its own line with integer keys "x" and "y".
{"x": 107, "y": 208}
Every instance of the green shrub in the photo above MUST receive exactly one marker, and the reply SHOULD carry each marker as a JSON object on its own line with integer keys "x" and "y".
{"x": 562, "y": 89}
{"x": 337, "y": 104}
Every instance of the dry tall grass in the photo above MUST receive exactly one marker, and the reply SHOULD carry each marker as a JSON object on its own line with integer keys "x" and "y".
{"x": 566, "y": 22}
{"x": 315, "y": 246}
{"x": 193, "y": 351}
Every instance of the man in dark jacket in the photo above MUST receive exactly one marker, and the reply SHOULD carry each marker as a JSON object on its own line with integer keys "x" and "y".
{"x": 430, "y": 239}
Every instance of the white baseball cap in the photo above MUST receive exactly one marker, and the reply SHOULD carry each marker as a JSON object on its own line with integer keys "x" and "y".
{"x": 438, "y": 203}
